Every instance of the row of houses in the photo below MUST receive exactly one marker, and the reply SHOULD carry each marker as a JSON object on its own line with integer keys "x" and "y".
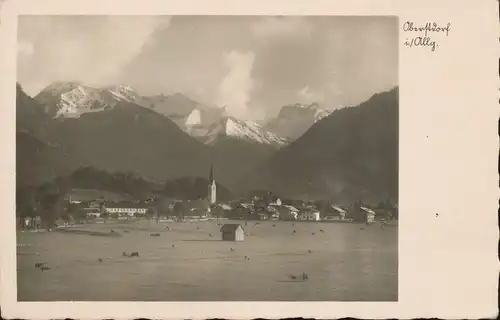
{"x": 254, "y": 209}
{"x": 278, "y": 211}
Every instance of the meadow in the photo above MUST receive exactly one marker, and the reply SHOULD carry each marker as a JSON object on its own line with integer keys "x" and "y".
{"x": 189, "y": 262}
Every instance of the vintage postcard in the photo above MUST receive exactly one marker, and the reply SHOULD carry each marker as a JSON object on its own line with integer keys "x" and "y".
{"x": 293, "y": 159}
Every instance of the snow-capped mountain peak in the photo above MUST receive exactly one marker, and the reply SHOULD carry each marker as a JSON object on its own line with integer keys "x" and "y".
{"x": 244, "y": 130}
{"x": 124, "y": 92}
{"x": 72, "y": 99}
{"x": 59, "y": 87}
{"x": 81, "y": 100}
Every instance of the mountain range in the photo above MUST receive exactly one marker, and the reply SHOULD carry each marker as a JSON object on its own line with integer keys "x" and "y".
{"x": 349, "y": 155}
{"x": 106, "y": 128}
{"x": 63, "y": 100}
{"x": 70, "y": 125}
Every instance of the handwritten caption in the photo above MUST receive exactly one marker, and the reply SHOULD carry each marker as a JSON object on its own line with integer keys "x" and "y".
{"x": 426, "y": 34}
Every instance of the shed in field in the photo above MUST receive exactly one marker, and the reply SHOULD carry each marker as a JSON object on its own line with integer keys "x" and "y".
{"x": 232, "y": 232}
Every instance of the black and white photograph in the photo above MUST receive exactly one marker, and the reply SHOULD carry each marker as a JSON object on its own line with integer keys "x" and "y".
{"x": 207, "y": 158}
{"x": 249, "y": 160}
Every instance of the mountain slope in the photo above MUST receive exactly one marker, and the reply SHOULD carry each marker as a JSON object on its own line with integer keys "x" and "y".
{"x": 233, "y": 158}
{"x": 89, "y": 178}
{"x": 37, "y": 162}
{"x": 176, "y": 105}
{"x": 31, "y": 117}
{"x": 73, "y": 99}
{"x": 351, "y": 154}
{"x": 128, "y": 137}
{"x": 242, "y": 130}
{"x": 294, "y": 120}
{"x": 237, "y": 147}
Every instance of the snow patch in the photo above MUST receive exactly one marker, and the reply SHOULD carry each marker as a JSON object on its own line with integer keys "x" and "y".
{"x": 124, "y": 92}
{"x": 194, "y": 118}
{"x": 245, "y": 130}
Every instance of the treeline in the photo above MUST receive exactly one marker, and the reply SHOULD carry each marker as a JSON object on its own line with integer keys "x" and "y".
{"x": 119, "y": 182}
{"x": 50, "y": 201}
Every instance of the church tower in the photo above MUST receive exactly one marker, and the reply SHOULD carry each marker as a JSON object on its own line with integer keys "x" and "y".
{"x": 212, "y": 187}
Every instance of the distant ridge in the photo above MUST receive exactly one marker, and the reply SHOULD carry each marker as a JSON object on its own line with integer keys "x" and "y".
{"x": 350, "y": 155}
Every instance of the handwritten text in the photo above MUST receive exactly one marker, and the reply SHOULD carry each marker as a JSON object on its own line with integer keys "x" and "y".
{"x": 426, "y": 34}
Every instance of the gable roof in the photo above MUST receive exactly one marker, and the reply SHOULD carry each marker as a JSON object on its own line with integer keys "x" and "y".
{"x": 225, "y": 206}
{"x": 230, "y": 227}
{"x": 291, "y": 208}
{"x": 367, "y": 210}
{"x": 339, "y": 209}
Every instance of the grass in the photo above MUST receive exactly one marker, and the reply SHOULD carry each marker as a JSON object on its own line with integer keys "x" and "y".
{"x": 344, "y": 263}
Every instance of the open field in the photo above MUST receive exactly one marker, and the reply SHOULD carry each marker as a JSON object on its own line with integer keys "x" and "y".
{"x": 347, "y": 262}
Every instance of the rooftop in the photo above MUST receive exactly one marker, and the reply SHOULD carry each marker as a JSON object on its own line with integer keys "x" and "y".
{"x": 367, "y": 210}
{"x": 291, "y": 208}
{"x": 339, "y": 209}
{"x": 230, "y": 227}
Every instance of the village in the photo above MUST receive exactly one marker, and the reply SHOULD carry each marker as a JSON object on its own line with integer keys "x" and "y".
{"x": 267, "y": 207}
{"x": 261, "y": 205}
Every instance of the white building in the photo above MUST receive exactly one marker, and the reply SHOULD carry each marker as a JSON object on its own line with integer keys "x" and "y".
{"x": 276, "y": 203}
{"x": 93, "y": 214}
{"x": 129, "y": 211}
{"x": 309, "y": 215}
{"x": 341, "y": 212}
{"x": 369, "y": 214}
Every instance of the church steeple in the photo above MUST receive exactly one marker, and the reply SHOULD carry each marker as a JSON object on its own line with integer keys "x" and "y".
{"x": 212, "y": 186}
{"x": 211, "y": 176}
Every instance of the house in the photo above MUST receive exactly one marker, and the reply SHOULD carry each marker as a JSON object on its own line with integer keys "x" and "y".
{"x": 288, "y": 212}
{"x": 221, "y": 210}
{"x": 125, "y": 209}
{"x": 273, "y": 212}
{"x": 263, "y": 216}
{"x": 196, "y": 209}
{"x": 94, "y": 209}
{"x": 242, "y": 210}
{"x": 232, "y": 232}
{"x": 334, "y": 212}
{"x": 93, "y": 214}
{"x": 225, "y": 207}
{"x": 369, "y": 214}
{"x": 276, "y": 202}
{"x": 33, "y": 222}
{"x": 309, "y": 215}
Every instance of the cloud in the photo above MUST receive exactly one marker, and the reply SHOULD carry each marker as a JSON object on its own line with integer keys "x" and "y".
{"x": 252, "y": 64}
{"x": 24, "y": 48}
{"x": 235, "y": 89}
{"x": 306, "y": 95}
{"x": 330, "y": 60}
{"x": 91, "y": 49}
{"x": 271, "y": 27}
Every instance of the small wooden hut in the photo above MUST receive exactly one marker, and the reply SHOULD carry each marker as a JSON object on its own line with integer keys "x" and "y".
{"x": 232, "y": 232}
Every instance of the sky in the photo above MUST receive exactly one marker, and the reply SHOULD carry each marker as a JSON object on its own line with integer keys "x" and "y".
{"x": 252, "y": 65}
